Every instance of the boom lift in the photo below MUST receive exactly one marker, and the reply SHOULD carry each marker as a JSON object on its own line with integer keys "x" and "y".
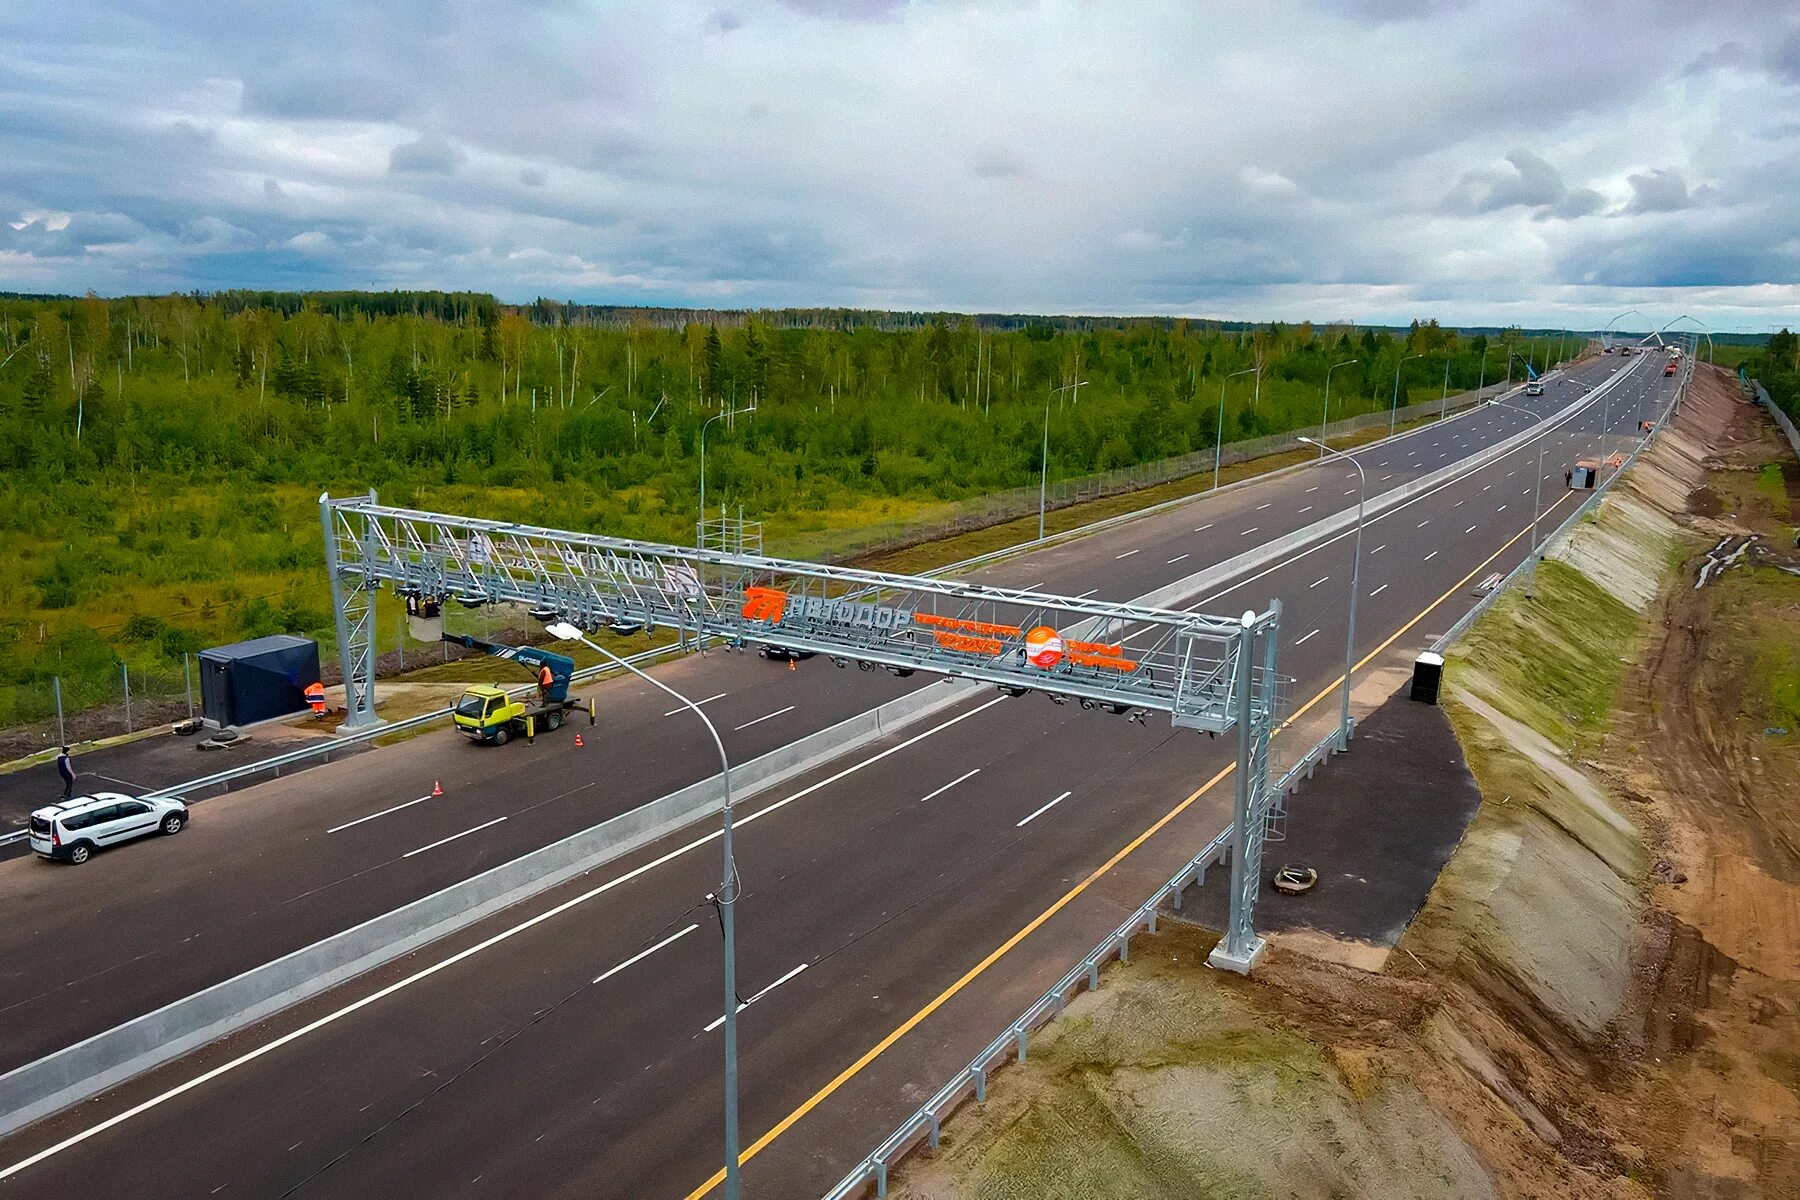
{"x": 487, "y": 714}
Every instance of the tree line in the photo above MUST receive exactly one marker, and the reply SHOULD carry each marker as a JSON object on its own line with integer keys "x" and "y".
{"x": 157, "y": 454}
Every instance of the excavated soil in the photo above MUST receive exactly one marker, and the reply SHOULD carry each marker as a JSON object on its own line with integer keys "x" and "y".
{"x": 1601, "y": 999}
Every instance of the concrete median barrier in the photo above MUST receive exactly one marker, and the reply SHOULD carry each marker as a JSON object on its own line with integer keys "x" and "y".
{"x": 1276, "y": 549}
{"x": 54, "y": 1082}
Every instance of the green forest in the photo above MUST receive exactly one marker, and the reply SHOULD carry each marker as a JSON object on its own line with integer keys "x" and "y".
{"x": 163, "y": 456}
{"x": 1777, "y": 366}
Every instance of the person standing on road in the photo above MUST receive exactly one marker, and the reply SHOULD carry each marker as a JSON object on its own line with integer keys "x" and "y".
{"x": 67, "y": 770}
{"x": 546, "y": 681}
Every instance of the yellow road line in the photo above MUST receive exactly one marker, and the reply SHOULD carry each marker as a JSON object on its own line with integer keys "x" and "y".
{"x": 1063, "y": 901}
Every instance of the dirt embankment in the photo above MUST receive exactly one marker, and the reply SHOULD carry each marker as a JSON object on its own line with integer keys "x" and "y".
{"x": 1601, "y": 998}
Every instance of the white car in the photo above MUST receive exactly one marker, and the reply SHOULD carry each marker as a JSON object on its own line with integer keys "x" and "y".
{"x": 1534, "y": 388}
{"x": 71, "y": 830}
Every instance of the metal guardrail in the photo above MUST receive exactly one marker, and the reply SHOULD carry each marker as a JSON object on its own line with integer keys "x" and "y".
{"x": 927, "y": 1123}
{"x": 337, "y": 745}
{"x": 1023, "y": 502}
{"x": 1456, "y": 631}
{"x": 1465, "y": 402}
{"x": 324, "y": 750}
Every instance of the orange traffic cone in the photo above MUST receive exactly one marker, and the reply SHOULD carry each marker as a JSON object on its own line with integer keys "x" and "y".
{"x": 792, "y": 665}
{"x": 437, "y": 789}
{"x": 578, "y": 741}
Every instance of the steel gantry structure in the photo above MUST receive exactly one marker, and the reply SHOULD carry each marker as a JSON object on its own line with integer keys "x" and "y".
{"x": 1208, "y": 673}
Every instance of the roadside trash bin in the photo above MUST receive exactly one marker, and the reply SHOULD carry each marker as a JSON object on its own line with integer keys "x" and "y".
{"x": 1428, "y": 677}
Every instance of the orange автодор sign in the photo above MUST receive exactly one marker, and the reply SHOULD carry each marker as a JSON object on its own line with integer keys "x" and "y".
{"x": 1044, "y": 646}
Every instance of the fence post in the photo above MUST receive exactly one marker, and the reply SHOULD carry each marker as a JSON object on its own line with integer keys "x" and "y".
{"x": 187, "y": 675}
{"x": 125, "y": 674}
{"x": 62, "y": 738}
{"x": 402, "y": 642}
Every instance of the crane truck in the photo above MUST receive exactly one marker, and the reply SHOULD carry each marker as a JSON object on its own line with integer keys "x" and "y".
{"x": 487, "y": 714}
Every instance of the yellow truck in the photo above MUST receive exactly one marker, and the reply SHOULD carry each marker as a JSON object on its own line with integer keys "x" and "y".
{"x": 487, "y": 714}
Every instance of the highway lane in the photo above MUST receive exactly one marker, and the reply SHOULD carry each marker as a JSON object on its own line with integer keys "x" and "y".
{"x": 273, "y": 868}
{"x": 543, "y": 1080}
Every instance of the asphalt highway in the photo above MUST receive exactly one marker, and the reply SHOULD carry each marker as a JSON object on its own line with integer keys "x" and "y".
{"x": 572, "y": 1055}
{"x": 272, "y": 868}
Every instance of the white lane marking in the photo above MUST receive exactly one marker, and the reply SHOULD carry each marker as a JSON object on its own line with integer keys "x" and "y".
{"x": 1087, "y": 593}
{"x": 1311, "y": 490}
{"x": 1384, "y": 478}
{"x": 1425, "y": 522}
{"x": 768, "y": 717}
{"x": 1248, "y": 532}
{"x": 1379, "y": 590}
{"x": 1307, "y": 509}
{"x": 641, "y": 955}
{"x": 1460, "y": 503}
{"x": 697, "y": 704}
{"x": 1260, "y": 507}
{"x": 1175, "y": 560}
{"x": 1431, "y": 556}
{"x": 1315, "y": 583}
{"x": 1379, "y": 549}
{"x": 1350, "y": 492}
{"x": 1205, "y": 527}
{"x": 250, "y": 1056}
{"x": 1032, "y": 587}
{"x": 718, "y": 1021}
{"x": 1127, "y": 554}
{"x": 1470, "y": 529}
{"x": 453, "y": 837}
{"x": 1309, "y": 637}
{"x": 77, "y": 1138}
{"x": 384, "y": 812}
{"x": 1502, "y": 508}
{"x": 951, "y": 784}
{"x": 1040, "y": 812}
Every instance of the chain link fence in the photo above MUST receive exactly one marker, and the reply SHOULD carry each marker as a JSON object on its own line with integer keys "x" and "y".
{"x": 42, "y": 714}
{"x": 1011, "y": 505}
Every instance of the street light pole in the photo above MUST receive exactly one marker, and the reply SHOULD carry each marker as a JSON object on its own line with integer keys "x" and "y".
{"x": 698, "y": 536}
{"x": 1044, "y": 470}
{"x": 1537, "y": 498}
{"x": 1606, "y": 330}
{"x": 1345, "y": 728}
{"x": 1481, "y": 380}
{"x": 742, "y": 412}
{"x": 1444, "y": 400}
{"x": 1394, "y": 413}
{"x": 1219, "y": 436}
{"x": 1325, "y": 417}
{"x": 727, "y": 898}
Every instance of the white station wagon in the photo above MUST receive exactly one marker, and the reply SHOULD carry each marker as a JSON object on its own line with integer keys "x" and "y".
{"x": 71, "y": 830}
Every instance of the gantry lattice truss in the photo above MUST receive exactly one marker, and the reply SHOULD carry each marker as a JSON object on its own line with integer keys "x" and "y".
{"x": 1208, "y": 673}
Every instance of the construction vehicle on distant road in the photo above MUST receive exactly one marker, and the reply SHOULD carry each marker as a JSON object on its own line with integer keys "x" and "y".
{"x": 487, "y": 714}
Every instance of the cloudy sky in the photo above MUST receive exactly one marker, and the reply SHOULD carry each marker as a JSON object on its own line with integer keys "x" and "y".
{"x": 1540, "y": 161}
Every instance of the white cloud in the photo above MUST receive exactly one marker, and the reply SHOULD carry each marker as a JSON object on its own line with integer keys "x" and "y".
{"x": 1373, "y": 157}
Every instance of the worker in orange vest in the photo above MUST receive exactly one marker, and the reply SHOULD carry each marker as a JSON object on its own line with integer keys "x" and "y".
{"x": 546, "y": 681}
{"x": 315, "y": 696}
